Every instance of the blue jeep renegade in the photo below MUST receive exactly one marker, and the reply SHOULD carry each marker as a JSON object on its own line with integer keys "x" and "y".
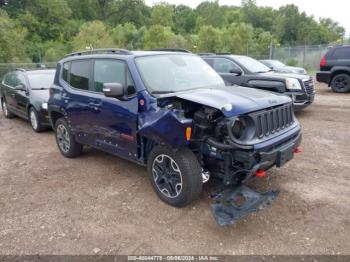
{"x": 171, "y": 112}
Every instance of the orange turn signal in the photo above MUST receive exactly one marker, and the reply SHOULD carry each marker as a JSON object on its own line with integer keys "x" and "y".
{"x": 188, "y": 133}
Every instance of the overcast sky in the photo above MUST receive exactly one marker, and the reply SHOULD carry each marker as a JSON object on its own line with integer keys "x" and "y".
{"x": 338, "y": 10}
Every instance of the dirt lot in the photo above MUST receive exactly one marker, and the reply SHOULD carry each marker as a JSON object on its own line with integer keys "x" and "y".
{"x": 100, "y": 203}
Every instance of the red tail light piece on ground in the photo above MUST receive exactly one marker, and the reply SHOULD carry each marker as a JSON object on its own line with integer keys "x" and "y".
{"x": 260, "y": 173}
{"x": 297, "y": 150}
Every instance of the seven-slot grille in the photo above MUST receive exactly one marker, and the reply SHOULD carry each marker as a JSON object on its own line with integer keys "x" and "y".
{"x": 271, "y": 121}
{"x": 309, "y": 86}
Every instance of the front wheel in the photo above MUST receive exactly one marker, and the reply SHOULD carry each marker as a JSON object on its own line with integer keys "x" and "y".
{"x": 175, "y": 175}
{"x": 34, "y": 120}
{"x": 341, "y": 83}
{"x": 65, "y": 140}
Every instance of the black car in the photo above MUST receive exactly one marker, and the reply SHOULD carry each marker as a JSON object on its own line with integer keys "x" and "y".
{"x": 335, "y": 69}
{"x": 248, "y": 72}
{"x": 280, "y": 67}
{"x": 25, "y": 93}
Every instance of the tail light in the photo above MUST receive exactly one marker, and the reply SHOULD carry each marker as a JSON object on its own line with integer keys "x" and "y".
{"x": 323, "y": 62}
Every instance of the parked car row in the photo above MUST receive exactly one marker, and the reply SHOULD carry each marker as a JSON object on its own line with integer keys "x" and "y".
{"x": 172, "y": 112}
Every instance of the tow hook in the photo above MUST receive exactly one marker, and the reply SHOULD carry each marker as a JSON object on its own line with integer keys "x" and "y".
{"x": 232, "y": 204}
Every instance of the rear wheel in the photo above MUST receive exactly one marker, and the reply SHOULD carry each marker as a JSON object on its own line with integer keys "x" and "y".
{"x": 6, "y": 110}
{"x": 65, "y": 140}
{"x": 341, "y": 83}
{"x": 34, "y": 120}
{"x": 175, "y": 176}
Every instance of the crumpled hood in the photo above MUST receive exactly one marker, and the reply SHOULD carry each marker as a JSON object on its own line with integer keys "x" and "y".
{"x": 242, "y": 99}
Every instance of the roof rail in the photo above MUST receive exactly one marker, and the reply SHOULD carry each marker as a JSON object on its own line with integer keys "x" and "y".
{"x": 20, "y": 69}
{"x": 171, "y": 50}
{"x": 224, "y": 53}
{"x": 118, "y": 51}
{"x": 202, "y": 54}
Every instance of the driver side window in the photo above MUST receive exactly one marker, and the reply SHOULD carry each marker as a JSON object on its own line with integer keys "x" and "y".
{"x": 224, "y": 66}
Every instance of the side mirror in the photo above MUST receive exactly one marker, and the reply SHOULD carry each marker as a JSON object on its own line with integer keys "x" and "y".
{"x": 20, "y": 87}
{"x": 236, "y": 71}
{"x": 115, "y": 90}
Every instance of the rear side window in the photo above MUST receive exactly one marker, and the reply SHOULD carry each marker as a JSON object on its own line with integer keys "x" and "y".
{"x": 112, "y": 71}
{"x": 65, "y": 72}
{"x": 79, "y": 74}
{"x": 9, "y": 79}
{"x": 341, "y": 53}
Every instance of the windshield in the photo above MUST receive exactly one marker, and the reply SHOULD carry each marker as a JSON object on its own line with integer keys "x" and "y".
{"x": 41, "y": 80}
{"x": 176, "y": 72}
{"x": 251, "y": 64}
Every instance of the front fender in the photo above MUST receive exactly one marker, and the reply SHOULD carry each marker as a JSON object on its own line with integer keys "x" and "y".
{"x": 164, "y": 127}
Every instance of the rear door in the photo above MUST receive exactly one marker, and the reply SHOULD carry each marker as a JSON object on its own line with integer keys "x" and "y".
{"x": 224, "y": 67}
{"x": 115, "y": 120}
{"x": 76, "y": 98}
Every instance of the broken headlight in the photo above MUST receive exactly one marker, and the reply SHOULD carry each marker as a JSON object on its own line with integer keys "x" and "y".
{"x": 241, "y": 129}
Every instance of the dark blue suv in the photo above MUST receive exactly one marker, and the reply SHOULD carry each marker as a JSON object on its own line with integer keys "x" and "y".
{"x": 172, "y": 112}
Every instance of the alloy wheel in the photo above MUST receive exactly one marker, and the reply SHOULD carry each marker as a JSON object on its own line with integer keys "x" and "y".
{"x": 341, "y": 82}
{"x": 167, "y": 176}
{"x": 33, "y": 119}
{"x": 63, "y": 138}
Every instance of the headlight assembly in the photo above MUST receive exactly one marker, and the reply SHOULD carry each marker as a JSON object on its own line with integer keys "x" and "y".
{"x": 293, "y": 84}
{"x": 241, "y": 129}
{"x": 44, "y": 106}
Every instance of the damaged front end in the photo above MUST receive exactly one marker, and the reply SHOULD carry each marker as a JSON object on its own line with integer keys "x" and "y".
{"x": 232, "y": 148}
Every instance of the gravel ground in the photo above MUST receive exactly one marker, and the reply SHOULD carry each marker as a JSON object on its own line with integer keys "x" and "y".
{"x": 102, "y": 204}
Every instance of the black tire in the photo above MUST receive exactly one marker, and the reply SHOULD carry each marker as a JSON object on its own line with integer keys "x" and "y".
{"x": 186, "y": 167}
{"x": 341, "y": 83}
{"x": 6, "y": 111}
{"x": 34, "y": 120}
{"x": 65, "y": 140}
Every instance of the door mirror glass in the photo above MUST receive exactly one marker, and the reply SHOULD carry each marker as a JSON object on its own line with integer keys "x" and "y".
{"x": 115, "y": 90}
{"x": 20, "y": 87}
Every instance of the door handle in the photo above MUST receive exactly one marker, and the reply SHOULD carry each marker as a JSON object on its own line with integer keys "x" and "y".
{"x": 94, "y": 106}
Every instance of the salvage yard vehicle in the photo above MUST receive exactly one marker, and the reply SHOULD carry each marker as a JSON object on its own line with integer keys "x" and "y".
{"x": 335, "y": 69}
{"x": 25, "y": 93}
{"x": 246, "y": 71}
{"x": 280, "y": 67}
{"x": 171, "y": 112}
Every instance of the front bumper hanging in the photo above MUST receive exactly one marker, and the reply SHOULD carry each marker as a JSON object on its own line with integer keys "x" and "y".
{"x": 232, "y": 204}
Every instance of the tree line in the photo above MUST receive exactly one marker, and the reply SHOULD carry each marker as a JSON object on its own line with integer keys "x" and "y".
{"x": 45, "y": 30}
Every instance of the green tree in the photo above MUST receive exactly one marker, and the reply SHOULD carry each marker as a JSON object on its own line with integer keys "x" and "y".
{"x": 184, "y": 19}
{"x": 209, "y": 39}
{"x": 93, "y": 35}
{"x": 157, "y": 36}
{"x": 162, "y": 14}
{"x": 11, "y": 40}
{"x": 236, "y": 38}
{"x": 210, "y": 13}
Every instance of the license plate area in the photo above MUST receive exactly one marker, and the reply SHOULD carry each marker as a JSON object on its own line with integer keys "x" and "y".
{"x": 284, "y": 155}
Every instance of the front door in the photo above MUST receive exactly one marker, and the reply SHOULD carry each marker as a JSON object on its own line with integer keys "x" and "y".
{"x": 115, "y": 121}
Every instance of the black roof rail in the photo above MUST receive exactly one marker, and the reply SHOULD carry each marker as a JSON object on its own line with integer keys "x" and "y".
{"x": 202, "y": 54}
{"x": 224, "y": 53}
{"x": 118, "y": 51}
{"x": 171, "y": 50}
{"x": 20, "y": 69}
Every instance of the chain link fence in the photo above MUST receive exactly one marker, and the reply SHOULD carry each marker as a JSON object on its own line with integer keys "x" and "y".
{"x": 6, "y": 67}
{"x": 306, "y": 56}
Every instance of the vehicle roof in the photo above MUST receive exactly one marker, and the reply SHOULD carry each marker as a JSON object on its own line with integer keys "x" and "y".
{"x": 122, "y": 56}
{"x": 40, "y": 71}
